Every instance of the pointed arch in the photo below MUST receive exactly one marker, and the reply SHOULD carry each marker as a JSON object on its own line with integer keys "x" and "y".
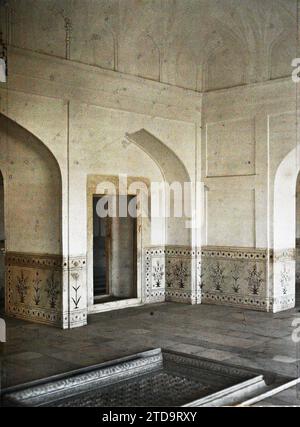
{"x": 33, "y": 225}
{"x": 284, "y": 231}
{"x": 173, "y": 171}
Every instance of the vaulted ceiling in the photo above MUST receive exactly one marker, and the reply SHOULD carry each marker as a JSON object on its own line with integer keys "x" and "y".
{"x": 197, "y": 44}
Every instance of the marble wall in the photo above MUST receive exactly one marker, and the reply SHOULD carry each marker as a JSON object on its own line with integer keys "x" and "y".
{"x": 237, "y": 118}
{"x": 102, "y": 120}
{"x": 249, "y": 169}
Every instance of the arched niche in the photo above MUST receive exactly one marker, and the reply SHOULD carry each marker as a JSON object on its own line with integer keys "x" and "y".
{"x": 33, "y": 225}
{"x": 284, "y": 231}
{"x": 173, "y": 171}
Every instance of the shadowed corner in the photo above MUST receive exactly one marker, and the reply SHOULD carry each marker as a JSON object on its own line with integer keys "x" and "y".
{"x": 2, "y": 331}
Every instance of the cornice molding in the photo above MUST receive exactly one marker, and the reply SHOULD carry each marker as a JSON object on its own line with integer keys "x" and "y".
{"x": 44, "y": 75}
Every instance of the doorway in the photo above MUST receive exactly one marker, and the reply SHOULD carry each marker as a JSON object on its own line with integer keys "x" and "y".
{"x": 115, "y": 252}
{"x": 2, "y": 246}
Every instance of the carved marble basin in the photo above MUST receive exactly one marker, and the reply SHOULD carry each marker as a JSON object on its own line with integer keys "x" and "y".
{"x": 153, "y": 378}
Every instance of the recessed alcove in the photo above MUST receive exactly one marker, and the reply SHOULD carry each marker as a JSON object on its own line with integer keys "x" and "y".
{"x": 2, "y": 246}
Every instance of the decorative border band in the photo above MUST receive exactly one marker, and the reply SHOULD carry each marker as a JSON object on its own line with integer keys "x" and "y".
{"x": 39, "y": 315}
{"x": 187, "y": 251}
{"x": 222, "y": 252}
{"x": 285, "y": 255}
{"x": 39, "y": 261}
{"x": 251, "y": 302}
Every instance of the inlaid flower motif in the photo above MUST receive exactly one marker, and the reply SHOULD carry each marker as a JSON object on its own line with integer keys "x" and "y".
{"x": 37, "y": 289}
{"x": 169, "y": 275}
{"x": 22, "y": 286}
{"x": 285, "y": 280}
{"x": 77, "y": 298}
{"x": 235, "y": 272}
{"x": 52, "y": 290}
{"x": 158, "y": 274}
{"x": 200, "y": 275}
{"x": 217, "y": 276}
{"x": 181, "y": 274}
{"x": 254, "y": 280}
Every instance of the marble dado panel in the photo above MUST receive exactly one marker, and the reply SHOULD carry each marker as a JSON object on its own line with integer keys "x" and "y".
{"x": 172, "y": 274}
{"x": 298, "y": 261}
{"x": 285, "y": 273}
{"x": 75, "y": 273}
{"x": 235, "y": 276}
{"x": 34, "y": 287}
{"x": 183, "y": 275}
{"x": 154, "y": 275}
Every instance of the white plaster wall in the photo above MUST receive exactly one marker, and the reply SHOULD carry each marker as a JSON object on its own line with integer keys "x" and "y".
{"x": 231, "y": 217}
{"x": 246, "y": 133}
{"x": 32, "y": 192}
{"x": 88, "y": 137}
{"x": 242, "y": 139}
{"x": 106, "y": 152}
{"x": 45, "y": 118}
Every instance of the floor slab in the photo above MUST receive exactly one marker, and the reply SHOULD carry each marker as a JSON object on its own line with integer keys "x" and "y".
{"x": 235, "y": 336}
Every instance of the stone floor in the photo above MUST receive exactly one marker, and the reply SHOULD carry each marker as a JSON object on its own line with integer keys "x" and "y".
{"x": 238, "y": 337}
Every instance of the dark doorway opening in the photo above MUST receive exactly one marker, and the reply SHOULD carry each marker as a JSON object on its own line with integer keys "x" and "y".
{"x": 2, "y": 246}
{"x": 115, "y": 253}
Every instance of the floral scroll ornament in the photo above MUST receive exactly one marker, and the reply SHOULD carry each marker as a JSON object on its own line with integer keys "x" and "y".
{"x": 218, "y": 277}
{"x": 235, "y": 272}
{"x": 37, "y": 289}
{"x": 169, "y": 276}
{"x": 22, "y": 286}
{"x": 76, "y": 288}
{"x": 285, "y": 280}
{"x": 200, "y": 275}
{"x": 158, "y": 274}
{"x": 181, "y": 273}
{"x": 254, "y": 280}
{"x": 52, "y": 290}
